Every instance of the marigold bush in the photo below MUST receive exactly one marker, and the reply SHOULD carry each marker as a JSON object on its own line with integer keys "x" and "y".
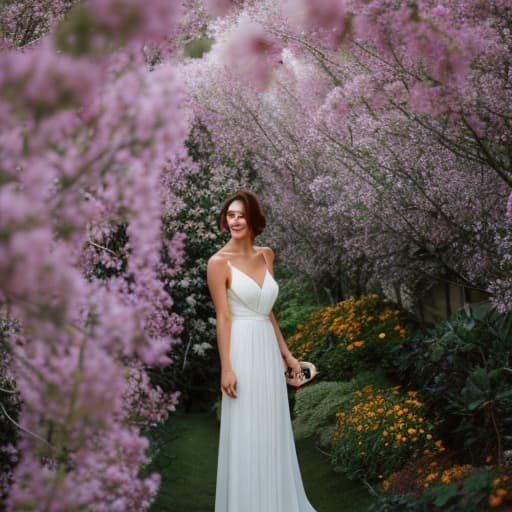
{"x": 351, "y": 336}
{"x": 379, "y": 430}
{"x": 453, "y": 488}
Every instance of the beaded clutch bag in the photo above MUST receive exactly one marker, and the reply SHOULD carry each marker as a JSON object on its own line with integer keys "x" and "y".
{"x": 307, "y": 372}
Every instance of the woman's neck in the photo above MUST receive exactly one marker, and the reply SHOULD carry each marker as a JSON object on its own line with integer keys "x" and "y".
{"x": 243, "y": 246}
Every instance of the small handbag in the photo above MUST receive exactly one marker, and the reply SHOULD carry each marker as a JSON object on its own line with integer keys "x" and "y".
{"x": 307, "y": 372}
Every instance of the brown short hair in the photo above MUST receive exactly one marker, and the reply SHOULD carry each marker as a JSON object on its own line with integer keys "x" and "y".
{"x": 255, "y": 218}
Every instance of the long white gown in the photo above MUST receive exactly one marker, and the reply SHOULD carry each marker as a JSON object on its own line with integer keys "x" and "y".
{"x": 257, "y": 469}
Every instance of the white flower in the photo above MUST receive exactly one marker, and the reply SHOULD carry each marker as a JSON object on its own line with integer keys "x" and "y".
{"x": 201, "y": 348}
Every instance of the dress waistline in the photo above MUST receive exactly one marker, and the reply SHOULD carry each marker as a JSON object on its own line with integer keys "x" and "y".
{"x": 250, "y": 316}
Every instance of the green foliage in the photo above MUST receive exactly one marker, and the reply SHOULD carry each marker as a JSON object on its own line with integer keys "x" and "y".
{"x": 201, "y": 191}
{"x": 316, "y": 405}
{"x": 295, "y": 303}
{"x": 9, "y": 409}
{"x": 464, "y": 367}
{"x": 397, "y": 503}
{"x": 480, "y": 490}
{"x": 349, "y": 337}
{"x": 198, "y": 47}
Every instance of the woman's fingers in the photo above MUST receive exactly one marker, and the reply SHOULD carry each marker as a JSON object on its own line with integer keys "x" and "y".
{"x": 229, "y": 389}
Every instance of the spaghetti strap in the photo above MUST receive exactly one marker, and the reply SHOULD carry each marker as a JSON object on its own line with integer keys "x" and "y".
{"x": 264, "y": 259}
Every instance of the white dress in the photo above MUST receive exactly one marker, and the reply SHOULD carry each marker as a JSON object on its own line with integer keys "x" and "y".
{"x": 257, "y": 469}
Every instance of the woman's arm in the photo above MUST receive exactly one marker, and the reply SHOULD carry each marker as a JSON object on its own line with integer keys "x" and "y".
{"x": 288, "y": 359}
{"x": 217, "y": 275}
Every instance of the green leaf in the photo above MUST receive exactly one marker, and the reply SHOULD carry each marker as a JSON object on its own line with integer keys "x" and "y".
{"x": 477, "y": 404}
{"x": 504, "y": 394}
{"x": 445, "y": 495}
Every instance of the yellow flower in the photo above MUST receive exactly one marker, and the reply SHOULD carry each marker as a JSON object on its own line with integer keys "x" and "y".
{"x": 350, "y": 347}
{"x": 382, "y": 335}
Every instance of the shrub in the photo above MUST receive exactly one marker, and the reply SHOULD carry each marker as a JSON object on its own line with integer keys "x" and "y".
{"x": 316, "y": 405}
{"x": 463, "y": 366}
{"x": 9, "y": 410}
{"x": 454, "y": 489}
{"x": 378, "y": 430}
{"x": 349, "y": 337}
{"x": 296, "y": 300}
{"x": 200, "y": 191}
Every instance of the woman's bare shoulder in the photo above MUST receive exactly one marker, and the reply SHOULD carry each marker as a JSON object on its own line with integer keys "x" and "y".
{"x": 218, "y": 260}
{"x": 267, "y": 252}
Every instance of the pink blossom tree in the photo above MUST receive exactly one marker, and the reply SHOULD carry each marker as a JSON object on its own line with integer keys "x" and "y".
{"x": 88, "y": 120}
{"x": 382, "y": 138}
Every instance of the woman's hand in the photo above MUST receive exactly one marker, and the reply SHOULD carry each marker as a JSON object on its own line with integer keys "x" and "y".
{"x": 291, "y": 362}
{"x": 228, "y": 383}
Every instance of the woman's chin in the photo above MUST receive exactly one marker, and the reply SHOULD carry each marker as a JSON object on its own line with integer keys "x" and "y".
{"x": 239, "y": 235}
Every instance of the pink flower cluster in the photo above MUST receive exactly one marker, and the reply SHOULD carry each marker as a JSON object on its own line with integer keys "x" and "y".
{"x": 381, "y": 139}
{"x": 251, "y": 53}
{"x": 84, "y": 140}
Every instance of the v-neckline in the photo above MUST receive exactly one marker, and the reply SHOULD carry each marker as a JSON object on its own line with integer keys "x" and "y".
{"x": 250, "y": 278}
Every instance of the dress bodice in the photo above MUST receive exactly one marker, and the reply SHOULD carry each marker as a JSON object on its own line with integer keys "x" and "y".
{"x": 247, "y": 299}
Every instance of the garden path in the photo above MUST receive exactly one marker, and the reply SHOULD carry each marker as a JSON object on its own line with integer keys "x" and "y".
{"x": 187, "y": 461}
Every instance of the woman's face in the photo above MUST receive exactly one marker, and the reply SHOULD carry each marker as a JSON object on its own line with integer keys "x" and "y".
{"x": 237, "y": 221}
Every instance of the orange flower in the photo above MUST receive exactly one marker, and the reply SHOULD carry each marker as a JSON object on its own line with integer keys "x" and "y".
{"x": 382, "y": 335}
{"x": 495, "y": 501}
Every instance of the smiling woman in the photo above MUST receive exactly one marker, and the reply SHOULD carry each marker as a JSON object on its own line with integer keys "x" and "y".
{"x": 243, "y": 207}
{"x": 257, "y": 462}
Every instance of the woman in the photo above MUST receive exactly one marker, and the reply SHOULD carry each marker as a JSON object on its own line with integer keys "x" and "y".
{"x": 257, "y": 466}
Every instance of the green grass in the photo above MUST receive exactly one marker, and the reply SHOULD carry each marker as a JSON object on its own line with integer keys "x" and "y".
{"x": 187, "y": 460}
